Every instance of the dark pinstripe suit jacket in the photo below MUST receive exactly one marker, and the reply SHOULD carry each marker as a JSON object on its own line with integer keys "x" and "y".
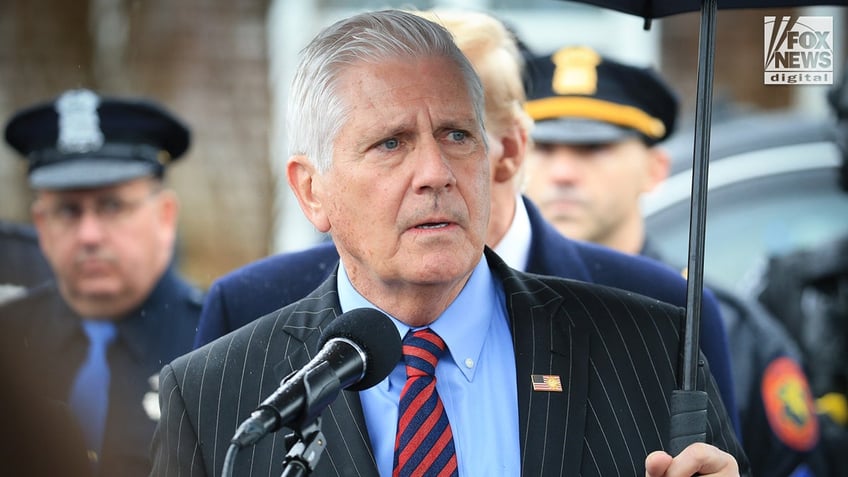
{"x": 616, "y": 353}
{"x": 265, "y": 285}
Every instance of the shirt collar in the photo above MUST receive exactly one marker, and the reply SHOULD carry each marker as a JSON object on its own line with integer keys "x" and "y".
{"x": 463, "y": 325}
{"x": 514, "y": 247}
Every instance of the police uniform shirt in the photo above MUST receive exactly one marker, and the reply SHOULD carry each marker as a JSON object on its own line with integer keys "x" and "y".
{"x": 153, "y": 335}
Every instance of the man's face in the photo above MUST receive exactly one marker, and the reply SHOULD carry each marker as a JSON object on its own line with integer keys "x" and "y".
{"x": 407, "y": 196}
{"x": 590, "y": 191}
{"x": 107, "y": 246}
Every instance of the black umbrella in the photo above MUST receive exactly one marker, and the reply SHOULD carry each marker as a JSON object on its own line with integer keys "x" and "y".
{"x": 649, "y": 9}
{"x": 688, "y": 404}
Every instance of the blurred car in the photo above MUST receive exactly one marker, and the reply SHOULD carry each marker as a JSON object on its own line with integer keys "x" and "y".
{"x": 777, "y": 235}
{"x": 774, "y": 188}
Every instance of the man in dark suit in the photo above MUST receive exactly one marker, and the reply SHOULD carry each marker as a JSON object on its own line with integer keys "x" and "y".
{"x": 97, "y": 335}
{"x": 389, "y": 157}
{"x": 516, "y": 230}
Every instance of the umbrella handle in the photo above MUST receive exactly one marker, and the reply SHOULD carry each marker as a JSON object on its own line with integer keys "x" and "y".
{"x": 688, "y": 419}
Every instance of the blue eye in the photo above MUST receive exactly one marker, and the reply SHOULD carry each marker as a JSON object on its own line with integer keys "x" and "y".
{"x": 458, "y": 135}
{"x": 392, "y": 143}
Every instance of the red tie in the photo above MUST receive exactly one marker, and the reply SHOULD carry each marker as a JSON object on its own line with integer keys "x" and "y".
{"x": 424, "y": 443}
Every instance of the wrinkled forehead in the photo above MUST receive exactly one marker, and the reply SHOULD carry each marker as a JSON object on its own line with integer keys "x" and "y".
{"x": 445, "y": 72}
{"x": 395, "y": 94}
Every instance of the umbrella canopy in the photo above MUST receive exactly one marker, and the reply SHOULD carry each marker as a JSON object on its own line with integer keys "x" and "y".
{"x": 649, "y": 9}
{"x": 688, "y": 404}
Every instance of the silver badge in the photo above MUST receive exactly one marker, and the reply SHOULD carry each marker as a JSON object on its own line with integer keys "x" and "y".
{"x": 79, "y": 124}
{"x": 150, "y": 402}
{"x": 11, "y": 291}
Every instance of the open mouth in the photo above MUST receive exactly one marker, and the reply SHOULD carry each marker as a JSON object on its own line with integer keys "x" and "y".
{"x": 432, "y": 225}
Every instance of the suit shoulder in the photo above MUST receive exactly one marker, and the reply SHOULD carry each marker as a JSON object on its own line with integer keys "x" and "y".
{"x": 597, "y": 309}
{"x": 289, "y": 322}
{"x": 214, "y": 356}
{"x": 604, "y": 259}
{"x": 320, "y": 259}
{"x": 577, "y": 289}
{"x": 607, "y": 292}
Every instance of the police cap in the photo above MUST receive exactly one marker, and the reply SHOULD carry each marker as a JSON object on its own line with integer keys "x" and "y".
{"x": 82, "y": 140}
{"x": 577, "y": 96}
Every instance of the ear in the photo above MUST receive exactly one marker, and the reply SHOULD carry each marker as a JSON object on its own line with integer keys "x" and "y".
{"x": 659, "y": 165}
{"x": 169, "y": 208}
{"x": 39, "y": 219}
{"x": 36, "y": 210}
{"x": 305, "y": 183}
{"x": 514, "y": 144}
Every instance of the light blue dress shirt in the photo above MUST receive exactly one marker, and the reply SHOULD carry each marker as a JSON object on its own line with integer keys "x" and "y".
{"x": 476, "y": 380}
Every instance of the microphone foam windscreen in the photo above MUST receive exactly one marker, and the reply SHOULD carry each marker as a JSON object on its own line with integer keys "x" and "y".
{"x": 375, "y": 334}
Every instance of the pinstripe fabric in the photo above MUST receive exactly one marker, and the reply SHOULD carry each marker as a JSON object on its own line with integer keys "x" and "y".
{"x": 616, "y": 354}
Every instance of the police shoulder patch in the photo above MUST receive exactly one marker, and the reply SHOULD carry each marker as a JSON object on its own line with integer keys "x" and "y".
{"x": 789, "y": 404}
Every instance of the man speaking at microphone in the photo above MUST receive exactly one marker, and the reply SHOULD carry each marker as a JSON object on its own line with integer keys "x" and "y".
{"x": 503, "y": 373}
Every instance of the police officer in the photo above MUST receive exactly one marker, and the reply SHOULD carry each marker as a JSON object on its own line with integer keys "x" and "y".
{"x": 117, "y": 311}
{"x": 599, "y": 125}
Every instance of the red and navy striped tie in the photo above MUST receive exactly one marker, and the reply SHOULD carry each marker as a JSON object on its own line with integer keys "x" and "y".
{"x": 424, "y": 444}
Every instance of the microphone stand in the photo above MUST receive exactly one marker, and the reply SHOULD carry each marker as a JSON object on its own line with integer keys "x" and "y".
{"x": 309, "y": 444}
{"x": 321, "y": 387}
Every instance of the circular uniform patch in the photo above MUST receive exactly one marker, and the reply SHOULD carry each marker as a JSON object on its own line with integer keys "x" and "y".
{"x": 789, "y": 404}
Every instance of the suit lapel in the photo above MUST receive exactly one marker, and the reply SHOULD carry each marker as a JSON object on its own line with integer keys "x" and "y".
{"x": 348, "y": 451}
{"x": 546, "y": 346}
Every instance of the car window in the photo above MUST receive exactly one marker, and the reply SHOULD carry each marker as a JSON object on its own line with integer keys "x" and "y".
{"x": 772, "y": 211}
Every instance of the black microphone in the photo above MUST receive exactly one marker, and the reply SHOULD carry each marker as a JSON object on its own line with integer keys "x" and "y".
{"x": 357, "y": 350}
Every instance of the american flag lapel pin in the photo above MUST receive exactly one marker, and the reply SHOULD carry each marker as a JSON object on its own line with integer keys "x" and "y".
{"x": 545, "y": 382}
